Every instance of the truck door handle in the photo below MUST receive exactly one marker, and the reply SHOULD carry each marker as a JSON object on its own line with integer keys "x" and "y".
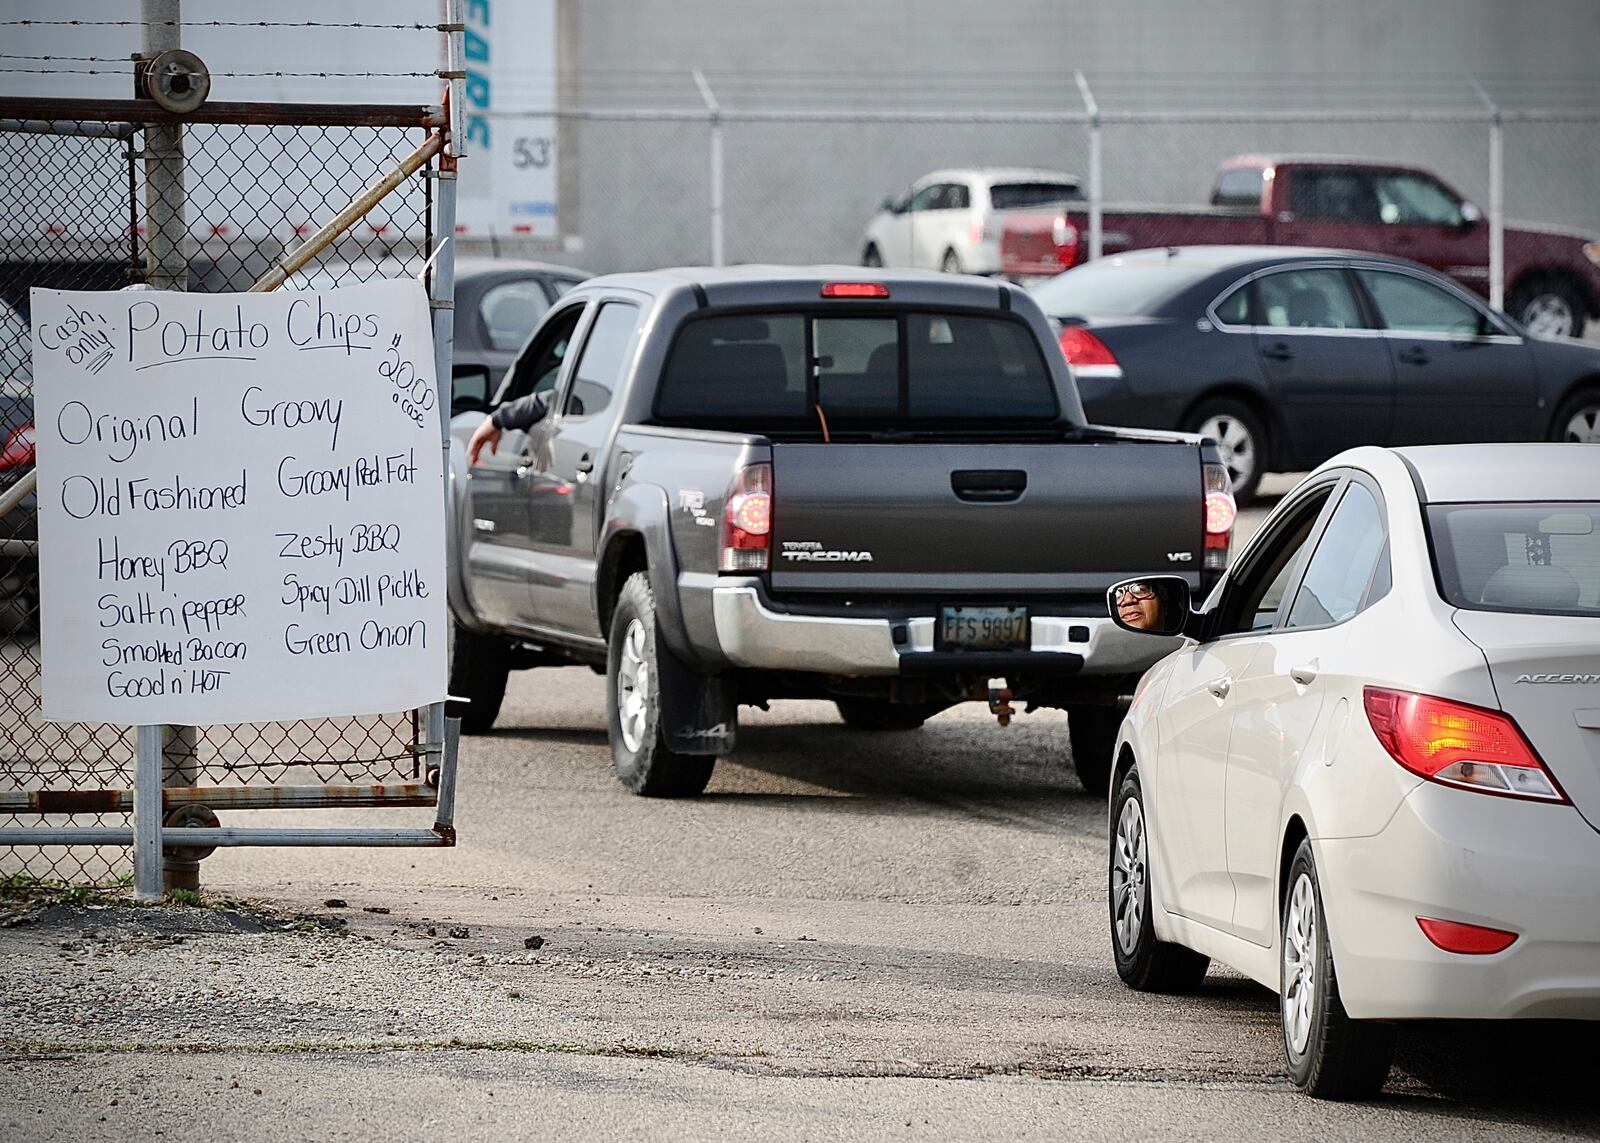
{"x": 585, "y": 465}
{"x": 1220, "y": 687}
{"x": 988, "y": 485}
{"x": 1305, "y": 674}
{"x": 1415, "y": 355}
{"x": 1278, "y": 351}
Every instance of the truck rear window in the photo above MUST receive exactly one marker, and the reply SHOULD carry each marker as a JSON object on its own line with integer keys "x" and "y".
{"x": 886, "y": 368}
{"x": 1013, "y": 196}
{"x": 1239, "y": 188}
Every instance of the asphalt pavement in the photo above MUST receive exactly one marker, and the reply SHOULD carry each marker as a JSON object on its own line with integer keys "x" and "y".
{"x": 851, "y": 935}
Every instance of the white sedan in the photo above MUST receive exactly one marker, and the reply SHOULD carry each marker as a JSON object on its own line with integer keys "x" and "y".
{"x": 1369, "y": 776}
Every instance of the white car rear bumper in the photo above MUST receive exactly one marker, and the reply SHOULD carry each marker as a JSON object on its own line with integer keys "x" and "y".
{"x": 1524, "y": 867}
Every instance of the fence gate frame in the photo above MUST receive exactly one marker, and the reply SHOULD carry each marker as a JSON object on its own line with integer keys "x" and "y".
{"x": 436, "y": 753}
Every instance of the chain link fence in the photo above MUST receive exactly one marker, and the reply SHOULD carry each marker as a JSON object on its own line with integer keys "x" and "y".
{"x": 76, "y": 218}
{"x": 793, "y": 171}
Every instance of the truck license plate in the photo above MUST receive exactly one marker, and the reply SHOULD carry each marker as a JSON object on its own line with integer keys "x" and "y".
{"x": 983, "y": 629}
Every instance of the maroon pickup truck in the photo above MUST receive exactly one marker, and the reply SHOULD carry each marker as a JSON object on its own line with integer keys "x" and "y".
{"x": 1552, "y": 274}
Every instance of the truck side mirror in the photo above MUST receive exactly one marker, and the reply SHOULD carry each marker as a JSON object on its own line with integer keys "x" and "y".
{"x": 1150, "y": 605}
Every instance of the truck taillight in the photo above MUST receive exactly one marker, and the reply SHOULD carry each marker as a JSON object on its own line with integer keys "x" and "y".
{"x": 1064, "y": 236}
{"x": 1459, "y": 745}
{"x": 18, "y": 452}
{"x": 1220, "y": 513}
{"x": 1083, "y": 348}
{"x": 747, "y": 521}
{"x": 854, "y": 290}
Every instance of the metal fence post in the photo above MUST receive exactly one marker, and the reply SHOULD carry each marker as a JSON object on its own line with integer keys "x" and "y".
{"x": 166, "y": 204}
{"x": 1093, "y": 108}
{"x": 147, "y": 880}
{"x": 444, "y": 325}
{"x": 715, "y": 110}
{"x": 1497, "y": 205}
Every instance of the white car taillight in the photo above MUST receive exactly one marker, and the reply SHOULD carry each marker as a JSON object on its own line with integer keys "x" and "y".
{"x": 747, "y": 521}
{"x": 1220, "y": 513}
{"x": 1459, "y": 745}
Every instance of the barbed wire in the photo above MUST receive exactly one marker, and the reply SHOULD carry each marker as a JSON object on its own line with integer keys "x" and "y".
{"x": 69, "y": 59}
{"x": 65, "y": 71}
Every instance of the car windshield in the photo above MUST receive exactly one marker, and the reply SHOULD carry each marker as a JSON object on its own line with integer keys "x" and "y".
{"x": 888, "y": 368}
{"x": 1010, "y": 196}
{"x": 1112, "y": 287}
{"x": 1532, "y": 558}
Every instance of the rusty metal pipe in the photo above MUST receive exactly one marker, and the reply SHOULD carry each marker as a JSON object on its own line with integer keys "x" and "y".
{"x": 81, "y": 130}
{"x": 125, "y": 112}
{"x": 117, "y": 835}
{"x": 220, "y": 798}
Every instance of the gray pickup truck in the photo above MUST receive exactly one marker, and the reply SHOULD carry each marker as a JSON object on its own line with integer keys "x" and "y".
{"x": 874, "y": 487}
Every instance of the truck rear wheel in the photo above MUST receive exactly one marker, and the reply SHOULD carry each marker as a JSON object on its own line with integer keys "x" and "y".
{"x": 877, "y": 714}
{"x": 1093, "y": 731}
{"x": 479, "y": 665}
{"x": 639, "y": 752}
{"x": 1549, "y": 307}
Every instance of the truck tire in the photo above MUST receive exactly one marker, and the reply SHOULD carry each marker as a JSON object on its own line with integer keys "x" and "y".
{"x": 1549, "y": 307}
{"x": 876, "y": 714}
{"x": 639, "y": 752}
{"x": 1093, "y": 731}
{"x": 479, "y": 665}
{"x": 1241, "y": 437}
{"x": 1578, "y": 419}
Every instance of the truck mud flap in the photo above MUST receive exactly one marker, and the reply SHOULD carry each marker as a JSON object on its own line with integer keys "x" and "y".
{"x": 699, "y": 713}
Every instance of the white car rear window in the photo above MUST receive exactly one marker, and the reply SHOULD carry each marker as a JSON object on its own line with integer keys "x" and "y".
{"x": 1534, "y": 558}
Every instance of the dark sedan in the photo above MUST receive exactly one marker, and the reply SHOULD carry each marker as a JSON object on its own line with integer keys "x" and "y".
{"x": 498, "y": 302}
{"x": 1288, "y": 357}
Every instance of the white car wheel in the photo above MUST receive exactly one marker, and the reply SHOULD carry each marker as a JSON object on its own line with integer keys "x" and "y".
{"x": 1299, "y": 964}
{"x": 1143, "y": 962}
{"x": 1330, "y": 1055}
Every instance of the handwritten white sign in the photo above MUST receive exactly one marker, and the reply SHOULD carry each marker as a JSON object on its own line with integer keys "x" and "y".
{"x": 241, "y": 515}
